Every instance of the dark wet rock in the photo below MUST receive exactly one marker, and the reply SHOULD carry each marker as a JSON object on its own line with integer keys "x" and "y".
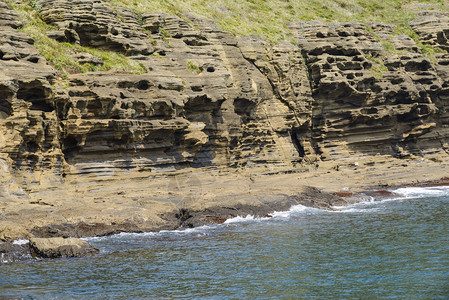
{"x": 60, "y": 247}
{"x": 313, "y": 197}
{"x": 310, "y": 197}
{"x": 380, "y": 195}
{"x": 10, "y": 252}
{"x": 82, "y": 229}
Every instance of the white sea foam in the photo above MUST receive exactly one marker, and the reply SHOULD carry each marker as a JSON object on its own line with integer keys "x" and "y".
{"x": 198, "y": 231}
{"x": 195, "y": 230}
{"x": 240, "y": 219}
{"x": 370, "y": 205}
{"x": 119, "y": 236}
{"x": 420, "y": 192}
{"x": 352, "y": 209}
{"x": 294, "y": 209}
{"x": 202, "y": 230}
{"x": 20, "y": 242}
{"x": 275, "y": 215}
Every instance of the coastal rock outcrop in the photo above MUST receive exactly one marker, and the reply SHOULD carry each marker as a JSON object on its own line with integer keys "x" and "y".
{"x": 207, "y": 101}
{"x": 10, "y": 252}
{"x": 60, "y": 247}
{"x": 212, "y": 99}
{"x": 373, "y": 91}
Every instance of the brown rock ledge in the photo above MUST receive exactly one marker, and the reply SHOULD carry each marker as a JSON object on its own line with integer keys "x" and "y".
{"x": 39, "y": 248}
{"x": 60, "y": 247}
{"x": 143, "y": 202}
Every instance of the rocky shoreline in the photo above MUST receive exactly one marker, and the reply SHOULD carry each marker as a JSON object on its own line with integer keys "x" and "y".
{"x": 63, "y": 240}
{"x": 66, "y": 245}
{"x": 208, "y": 125}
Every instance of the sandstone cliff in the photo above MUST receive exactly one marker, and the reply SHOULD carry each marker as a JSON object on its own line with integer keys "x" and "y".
{"x": 208, "y": 100}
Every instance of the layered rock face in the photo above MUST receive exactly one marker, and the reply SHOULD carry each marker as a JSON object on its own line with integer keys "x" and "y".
{"x": 29, "y": 134}
{"x": 373, "y": 91}
{"x": 210, "y": 99}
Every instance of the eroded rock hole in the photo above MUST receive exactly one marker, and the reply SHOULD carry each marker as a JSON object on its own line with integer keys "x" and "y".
{"x": 5, "y": 102}
{"x": 71, "y": 36}
{"x": 202, "y": 104}
{"x": 95, "y": 107}
{"x": 124, "y": 140}
{"x": 37, "y": 95}
{"x": 298, "y": 144}
{"x": 243, "y": 107}
{"x": 143, "y": 85}
{"x": 33, "y": 59}
{"x": 125, "y": 84}
{"x": 114, "y": 31}
{"x": 70, "y": 146}
{"x": 32, "y": 146}
{"x": 5, "y": 109}
{"x": 196, "y": 88}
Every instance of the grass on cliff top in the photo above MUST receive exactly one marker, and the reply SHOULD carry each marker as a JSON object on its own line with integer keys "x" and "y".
{"x": 60, "y": 54}
{"x": 265, "y": 18}
{"x": 269, "y": 19}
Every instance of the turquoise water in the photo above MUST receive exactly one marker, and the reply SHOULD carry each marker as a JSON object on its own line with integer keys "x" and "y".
{"x": 391, "y": 250}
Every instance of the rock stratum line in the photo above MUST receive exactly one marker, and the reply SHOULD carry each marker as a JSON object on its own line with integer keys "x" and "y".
{"x": 218, "y": 125}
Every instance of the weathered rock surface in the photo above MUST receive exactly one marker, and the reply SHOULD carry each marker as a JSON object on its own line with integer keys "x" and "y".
{"x": 433, "y": 28}
{"x": 96, "y": 24}
{"x": 10, "y": 252}
{"x": 309, "y": 197}
{"x": 106, "y": 151}
{"x": 212, "y": 99}
{"x": 367, "y": 99}
{"x": 60, "y": 247}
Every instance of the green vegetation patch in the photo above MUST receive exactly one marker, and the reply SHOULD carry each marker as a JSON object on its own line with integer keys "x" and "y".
{"x": 377, "y": 66}
{"x": 60, "y": 54}
{"x": 269, "y": 19}
{"x": 429, "y": 51}
{"x": 193, "y": 67}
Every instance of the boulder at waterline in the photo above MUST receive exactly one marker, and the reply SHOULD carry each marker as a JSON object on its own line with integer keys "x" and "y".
{"x": 60, "y": 247}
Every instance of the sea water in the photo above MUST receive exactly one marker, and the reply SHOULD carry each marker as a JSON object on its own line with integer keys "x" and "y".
{"x": 397, "y": 249}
